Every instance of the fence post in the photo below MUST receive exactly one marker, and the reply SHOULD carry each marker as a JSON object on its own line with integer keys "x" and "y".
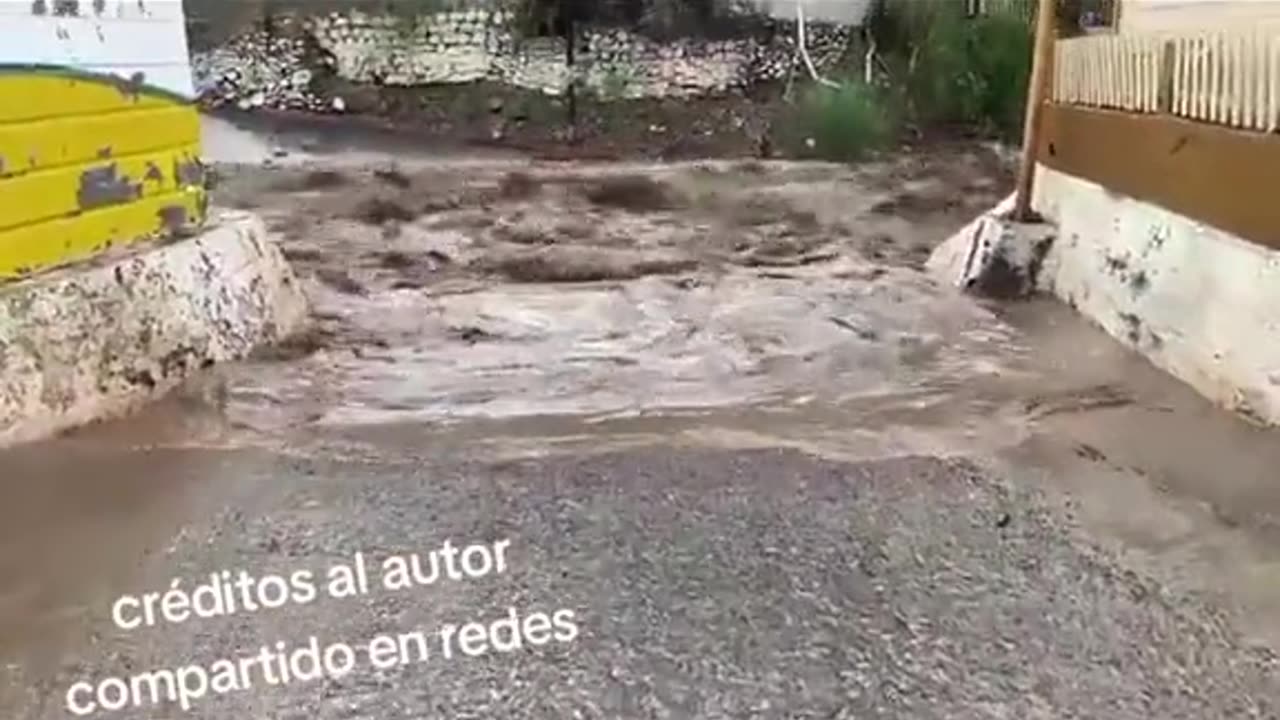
{"x": 1168, "y": 74}
{"x": 1036, "y": 94}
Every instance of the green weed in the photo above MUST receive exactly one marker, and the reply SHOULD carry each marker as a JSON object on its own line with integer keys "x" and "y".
{"x": 845, "y": 123}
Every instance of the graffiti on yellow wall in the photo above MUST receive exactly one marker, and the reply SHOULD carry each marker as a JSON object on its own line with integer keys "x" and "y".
{"x": 89, "y": 162}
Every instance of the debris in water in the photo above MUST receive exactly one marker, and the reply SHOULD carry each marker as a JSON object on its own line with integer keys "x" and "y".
{"x": 340, "y": 281}
{"x": 518, "y": 186}
{"x": 378, "y": 210}
{"x": 634, "y": 193}
{"x": 564, "y": 264}
{"x": 393, "y": 177}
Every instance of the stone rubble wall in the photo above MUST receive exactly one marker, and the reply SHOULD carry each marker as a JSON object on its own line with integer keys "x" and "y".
{"x": 260, "y": 70}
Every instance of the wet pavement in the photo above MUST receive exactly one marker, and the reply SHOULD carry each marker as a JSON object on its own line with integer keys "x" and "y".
{"x": 767, "y": 479}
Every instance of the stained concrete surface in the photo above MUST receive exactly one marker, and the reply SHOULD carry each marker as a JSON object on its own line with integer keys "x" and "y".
{"x": 1009, "y": 516}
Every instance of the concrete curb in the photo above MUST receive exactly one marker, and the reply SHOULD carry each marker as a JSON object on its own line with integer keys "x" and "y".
{"x": 952, "y": 262}
{"x": 994, "y": 256}
{"x": 93, "y": 342}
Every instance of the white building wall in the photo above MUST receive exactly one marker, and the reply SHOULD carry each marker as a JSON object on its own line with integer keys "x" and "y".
{"x": 1139, "y": 16}
{"x": 120, "y": 37}
{"x": 848, "y": 12}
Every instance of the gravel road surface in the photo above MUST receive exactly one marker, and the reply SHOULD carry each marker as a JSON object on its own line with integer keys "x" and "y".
{"x": 703, "y": 584}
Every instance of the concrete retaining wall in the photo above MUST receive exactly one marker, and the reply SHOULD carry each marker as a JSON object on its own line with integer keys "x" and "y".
{"x": 94, "y": 342}
{"x": 1201, "y": 303}
{"x": 100, "y": 158}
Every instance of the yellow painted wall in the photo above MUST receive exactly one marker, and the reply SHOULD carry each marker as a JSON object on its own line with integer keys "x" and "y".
{"x": 89, "y": 162}
{"x": 99, "y": 142}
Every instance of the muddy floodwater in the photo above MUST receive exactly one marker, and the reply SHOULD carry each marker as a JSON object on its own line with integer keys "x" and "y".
{"x": 714, "y": 408}
{"x": 506, "y": 291}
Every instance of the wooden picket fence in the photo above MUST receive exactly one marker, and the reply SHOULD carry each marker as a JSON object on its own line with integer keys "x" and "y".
{"x": 1227, "y": 78}
{"x": 1112, "y": 71}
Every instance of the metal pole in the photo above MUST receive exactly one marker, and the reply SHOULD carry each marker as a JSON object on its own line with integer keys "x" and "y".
{"x": 1037, "y": 92}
